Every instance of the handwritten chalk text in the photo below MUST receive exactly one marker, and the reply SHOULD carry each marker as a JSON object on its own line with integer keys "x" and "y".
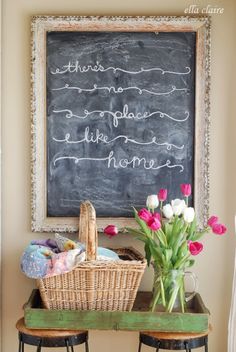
{"x": 97, "y": 137}
{"x": 119, "y": 90}
{"x": 123, "y": 163}
{"x": 76, "y": 67}
{"x": 119, "y": 115}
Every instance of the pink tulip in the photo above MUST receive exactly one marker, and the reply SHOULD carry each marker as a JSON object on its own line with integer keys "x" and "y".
{"x": 195, "y": 247}
{"x": 162, "y": 195}
{"x": 110, "y": 230}
{"x": 186, "y": 189}
{"x": 144, "y": 214}
{"x": 219, "y": 229}
{"x": 154, "y": 223}
{"x": 212, "y": 220}
{"x": 157, "y": 216}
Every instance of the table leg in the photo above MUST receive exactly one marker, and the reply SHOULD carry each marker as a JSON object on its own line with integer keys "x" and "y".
{"x": 20, "y": 343}
{"x": 206, "y": 344}
{"x": 186, "y": 346}
{"x": 67, "y": 345}
{"x": 158, "y": 346}
{"x": 39, "y": 346}
{"x": 86, "y": 346}
{"x": 139, "y": 346}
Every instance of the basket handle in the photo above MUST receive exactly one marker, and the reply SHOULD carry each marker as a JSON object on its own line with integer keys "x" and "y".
{"x": 88, "y": 229}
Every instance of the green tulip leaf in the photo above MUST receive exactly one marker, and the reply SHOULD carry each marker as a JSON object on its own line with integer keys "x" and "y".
{"x": 177, "y": 228}
{"x": 168, "y": 230}
{"x": 177, "y": 244}
{"x": 183, "y": 249}
{"x": 189, "y": 263}
{"x": 161, "y": 237}
{"x": 168, "y": 254}
{"x": 198, "y": 235}
{"x": 135, "y": 231}
{"x": 156, "y": 254}
{"x": 192, "y": 229}
{"x": 148, "y": 253}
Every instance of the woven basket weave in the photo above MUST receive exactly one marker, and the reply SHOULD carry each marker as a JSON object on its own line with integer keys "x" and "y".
{"x": 95, "y": 285}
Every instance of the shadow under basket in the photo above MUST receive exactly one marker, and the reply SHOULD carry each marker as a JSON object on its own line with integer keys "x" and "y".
{"x": 95, "y": 284}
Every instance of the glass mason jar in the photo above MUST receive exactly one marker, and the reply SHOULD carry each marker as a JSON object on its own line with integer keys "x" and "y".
{"x": 169, "y": 289}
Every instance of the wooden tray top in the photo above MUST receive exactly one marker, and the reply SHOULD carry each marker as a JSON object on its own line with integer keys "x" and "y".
{"x": 194, "y": 320}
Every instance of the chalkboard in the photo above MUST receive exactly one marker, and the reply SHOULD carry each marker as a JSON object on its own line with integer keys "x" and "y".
{"x": 120, "y": 118}
{"x": 120, "y": 108}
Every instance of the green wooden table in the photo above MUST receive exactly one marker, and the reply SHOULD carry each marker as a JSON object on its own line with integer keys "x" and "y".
{"x": 195, "y": 320}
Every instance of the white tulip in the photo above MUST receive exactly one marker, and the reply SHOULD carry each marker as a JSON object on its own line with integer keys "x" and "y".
{"x": 189, "y": 214}
{"x": 168, "y": 211}
{"x": 178, "y": 206}
{"x": 152, "y": 201}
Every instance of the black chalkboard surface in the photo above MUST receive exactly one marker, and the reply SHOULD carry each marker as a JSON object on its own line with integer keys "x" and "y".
{"x": 120, "y": 118}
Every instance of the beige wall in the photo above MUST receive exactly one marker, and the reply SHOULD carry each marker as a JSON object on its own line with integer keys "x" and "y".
{"x": 214, "y": 267}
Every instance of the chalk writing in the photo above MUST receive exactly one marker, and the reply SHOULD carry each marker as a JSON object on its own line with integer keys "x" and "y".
{"x": 119, "y": 115}
{"x": 119, "y": 90}
{"x": 90, "y": 137}
{"x": 134, "y": 162}
{"x": 76, "y": 67}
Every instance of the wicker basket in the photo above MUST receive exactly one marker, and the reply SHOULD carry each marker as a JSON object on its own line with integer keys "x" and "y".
{"x": 95, "y": 285}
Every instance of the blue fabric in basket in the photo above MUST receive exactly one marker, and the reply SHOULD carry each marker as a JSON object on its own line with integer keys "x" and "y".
{"x": 39, "y": 260}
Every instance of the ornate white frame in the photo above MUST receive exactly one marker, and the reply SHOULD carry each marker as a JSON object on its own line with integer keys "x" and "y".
{"x": 40, "y": 25}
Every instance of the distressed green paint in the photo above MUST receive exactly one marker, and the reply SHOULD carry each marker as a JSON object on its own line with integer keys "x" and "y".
{"x": 135, "y": 320}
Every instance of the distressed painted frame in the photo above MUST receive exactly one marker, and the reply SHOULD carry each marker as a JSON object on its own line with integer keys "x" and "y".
{"x": 40, "y": 25}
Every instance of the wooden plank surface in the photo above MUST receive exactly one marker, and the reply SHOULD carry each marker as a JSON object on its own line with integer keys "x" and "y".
{"x": 136, "y": 320}
{"x": 176, "y": 322}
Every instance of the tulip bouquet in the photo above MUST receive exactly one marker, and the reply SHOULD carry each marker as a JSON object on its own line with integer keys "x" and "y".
{"x": 171, "y": 240}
